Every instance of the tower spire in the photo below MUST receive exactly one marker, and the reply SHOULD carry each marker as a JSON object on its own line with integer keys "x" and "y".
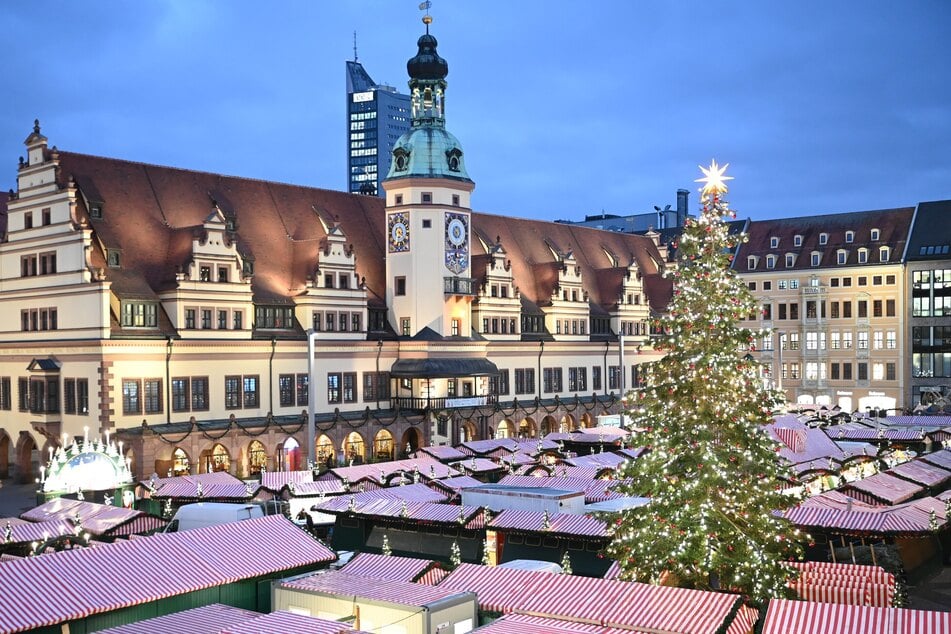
{"x": 355, "y": 46}
{"x": 427, "y": 19}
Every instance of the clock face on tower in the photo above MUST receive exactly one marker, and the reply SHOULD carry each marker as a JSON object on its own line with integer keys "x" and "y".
{"x": 398, "y": 232}
{"x": 457, "y": 242}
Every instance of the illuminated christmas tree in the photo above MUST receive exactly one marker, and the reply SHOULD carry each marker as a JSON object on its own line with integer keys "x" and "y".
{"x": 712, "y": 473}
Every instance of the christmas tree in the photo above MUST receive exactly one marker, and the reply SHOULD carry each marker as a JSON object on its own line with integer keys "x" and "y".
{"x": 712, "y": 472}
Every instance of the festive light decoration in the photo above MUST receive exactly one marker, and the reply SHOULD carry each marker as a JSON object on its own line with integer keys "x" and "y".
{"x": 712, "y": 472}
{"x": 566, "y": 564}
{"x": 386, "y": 550}
{"x": 455, "y": 555}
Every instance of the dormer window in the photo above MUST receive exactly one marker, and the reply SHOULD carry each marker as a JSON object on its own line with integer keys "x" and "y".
{"x": 771, "y": 261}
{"x": 883, "y": 254}
{"x": 849, "y": 237}
{"x": 400, "y": 159}
{"x": 875, "y": 234}
{"x": 751, "y": 262}
{"x": 774, "y": 242}
{"x": 841, "y": 256}
{"x": 453, "y": 157}
{"x": 823, "y": 238}
{"x": 95, "y": 211}
{"x": 815, "y": 258}
{"x": 790, "y": 260}
{"x": 112, "y": 258}
{"x": 863, "y": 256}
{"x": 797, "y": 241}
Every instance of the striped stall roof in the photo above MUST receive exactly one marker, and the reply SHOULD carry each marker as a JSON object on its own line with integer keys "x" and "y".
{"x": 313, "y": 489}
{"x": 882, "y": 488}
{"x": 519, "y": 459}
{"x": 870, "y": 434}
{"x": 380, "y": 472}
{"x": 339, "y": 584}
{"x": 618, "y": 604}
{"x": 525, "y": 624}
{"x": 921, "y": 472}
{"x": 457, "y": 483}
{"x": 911, "y": 518}
{"x": 633, "y": 454}
{"x": 72, "y": 584}
{"x": 419, "y": 511}
{"x": 671, "y": 609}
{"x": 746, "y": 617}
{"x": 594, "y": 490}
{"x": 940, "y": 458}
{"x": 599, "y": 460}
{"x": 919, "y": 421}
{"x": 208, "y": 619}
{"x": 531, "y": 446}
{"x": 784, "y": 616}
{"x": 433, "y": 577}
{"x": 274, "y": 481}
{"x": 477, "y": 465}
{"x": 288, "y": 622}
{"x": 206, "y": 479}
{"x": 25, "y": 532}
{"x": 613, "y": 572}
{"x": 492, "y": 448}
{"x": 498, "y": 589}
{"x": 570, "y": 524}
{"x": 183, "y": 490}
{"x": 97, "y": 519}
{"x": 410, "y": 493}
{"x": 442, "y": 452}
{"x": 388, "y": 567}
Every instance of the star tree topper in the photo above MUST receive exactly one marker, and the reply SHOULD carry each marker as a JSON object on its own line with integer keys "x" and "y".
{"x": 713, "y": 178}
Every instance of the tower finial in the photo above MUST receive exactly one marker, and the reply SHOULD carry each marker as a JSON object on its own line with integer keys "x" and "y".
{"x": 427, "y": 19}
{"x": 36, "y": 126}
{"x": 355, "y": 46}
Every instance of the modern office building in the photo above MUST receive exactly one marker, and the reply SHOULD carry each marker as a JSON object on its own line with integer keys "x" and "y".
{"x": 376, "y": 117}
{"x": 171, "y": 309}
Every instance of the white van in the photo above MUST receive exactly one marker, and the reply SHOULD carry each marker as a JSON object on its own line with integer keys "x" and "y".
{"x": 202, "y": 514}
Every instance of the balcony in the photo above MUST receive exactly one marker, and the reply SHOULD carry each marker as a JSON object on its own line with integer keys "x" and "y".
{"x": 459, "y": 286}
{"x": 421, "y": 403}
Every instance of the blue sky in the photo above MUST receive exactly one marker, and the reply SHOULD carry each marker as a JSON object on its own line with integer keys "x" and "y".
{"x": 563, "y": 109}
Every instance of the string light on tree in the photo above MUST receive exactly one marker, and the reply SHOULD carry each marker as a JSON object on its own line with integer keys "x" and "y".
{"x": 712, "y": 472}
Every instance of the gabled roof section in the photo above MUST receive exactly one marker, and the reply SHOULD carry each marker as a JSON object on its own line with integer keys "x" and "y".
{"x": 894, "y": 225}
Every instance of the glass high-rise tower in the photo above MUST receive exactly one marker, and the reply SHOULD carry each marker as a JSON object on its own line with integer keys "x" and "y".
{"x": 376, "y": 117}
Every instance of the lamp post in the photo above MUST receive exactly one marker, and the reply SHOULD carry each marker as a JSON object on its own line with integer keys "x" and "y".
{"x": 311, "y": 399}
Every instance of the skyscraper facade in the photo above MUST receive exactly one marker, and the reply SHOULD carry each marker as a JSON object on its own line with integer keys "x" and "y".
{"x": 376, "y": 117}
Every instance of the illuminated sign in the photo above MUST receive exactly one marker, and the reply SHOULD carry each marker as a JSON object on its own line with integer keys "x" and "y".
{"x": 360, "y": 97}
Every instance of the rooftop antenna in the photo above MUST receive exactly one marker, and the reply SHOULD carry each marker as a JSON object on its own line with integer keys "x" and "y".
{"x": 427, "y": 19}
{"x": 355, "y": 46}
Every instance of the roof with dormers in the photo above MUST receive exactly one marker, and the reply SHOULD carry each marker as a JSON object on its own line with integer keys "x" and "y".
{"x": 152, "y": 213}
{"x": 893, "y": 226}
{"x": 931, "y": 232}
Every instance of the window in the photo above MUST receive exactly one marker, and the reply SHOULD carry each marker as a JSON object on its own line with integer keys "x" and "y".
{"x": 614, "y": 377}
{"x": 767, "y": 312}
{"x": 841, "y": 256}
{"x": 793, "y": 284}
{"x": 190, "y": 318}
{"x": 454, "y": 327}
{"x": 301, "y": 388}
{"x": 847, "y": 340}
{"x": 222, "y": 320}
{"x": 878, "y": 340}
{"x": 863, "y": 309}
{"x": 206, "y": 318}
{"x": 794, "y": 311}
{"x": 44, "y": 395}
{"x": 771, "y": 261}
{"x": 28, "y": 265}
{"x": 232, "y": 392}
{"x": 153, "y": 396}
{"x": 376, "y": 386}
{"x": 274, "y": 317}
{"x": 883, "y": 254}
{"x": 552, "y": 380}
{"x": 398, "y": 200}
{"x": 794, "y": 370}
{"x": 767, "y": 285}
{"x": 343, "y": 321}
{"x": 330, "y": 321}
{"x": 794, "y": 341}
{"x": 524, "y": 380}
{"x": 847, "y": 309}
{"x": 285, "y": 390}
{"x": 862, "y": 340}
{"x": 834, "y": 282}
{"x": 28, "y": 220}
{"x": 863, "y": 256}
{"x": 251, "y": 391}
{"x": 797, "y": 241}
{"x": 782, "y": 311}
{"x": 596, "y": 378}
{"x": 846, "y": 281}
{"x": 237, "y": 319}
{"x": 878, "y": 371}
{"x": 890, "y": 372}
{"x": 399, "y": 285}
{"x": 834, "y": 310}
{"x": 455, "y": 200}
{"x": 222, "y": 273}
{"x": 204, "y": 273}
{"x": 876, "y": 280}
{"x": 47, "y": 263}
{"x": 577, "y": 379}
{"x": 427, "y": 223}
{"x": 874, "y": 234}
{"x": 816, "y": 258}
{"x": 834, "y": 371}
{"x": 131, "y": 397}
{"x": 23, "y": 389}
{"x": 751, "y": 286}
{"x": 891, "y": 340}
{"x": 69, "y": 396}
{"x": 200, "y": 402}
{"x": 790, "y": 260}
{"x": 333, "y": 387}
{"x": 846, "y": 371}
{"x": 427, "y": 197}
{"x": 39, "y": 319}
{"x": 751, "y": 262}
{"x": 890, "y": 279}
{"x": 349, "y": 387}
{"x": 405, "y": 326}
{"x": 774, "y": 242}
{"x": 849, "y": 237}
{"x": 180, "y": 399}
{"x": 823, "y": 238}
{"x": 356, "y": 322}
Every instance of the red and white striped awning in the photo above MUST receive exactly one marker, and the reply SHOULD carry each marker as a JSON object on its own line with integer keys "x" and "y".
{"x": 804, "y": 617}
{"x": 388, "y": 567}
{"x": 921, "y": 472}
{"x": 882, "y": 488}
{"x": 498, "y": 589}
{"x": 316, "y": 489}
{"x": 477, "y": 465}
{"x": 673, "y": 609}
{"x": 525, "y": 624}
{"x": 96, "y": 519}
{"x": 208, "y": 619}
{"x": 594, "y": 490}
{"x": 941, "y": 458}
{"x": 288, "y": 622}
{"x": 472, "y": 517}
{"x": 492, "y": 448}
{"x": 274, "y": 481}
{"x": 63, "y": 586}
{"x": 380, "y": 472}
{"x": 569, "y": 524}
{"x": 25, "y": 532}
{"x": 444, "y": 453}
{"x": 352, "y": 587}
{"x": 584, "y": 599}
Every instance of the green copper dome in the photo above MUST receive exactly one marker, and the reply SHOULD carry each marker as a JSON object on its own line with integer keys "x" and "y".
{"x": 428, "y": 152}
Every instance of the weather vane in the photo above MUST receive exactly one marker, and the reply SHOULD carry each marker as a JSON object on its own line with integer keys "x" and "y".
{"x": 713, "y": 178}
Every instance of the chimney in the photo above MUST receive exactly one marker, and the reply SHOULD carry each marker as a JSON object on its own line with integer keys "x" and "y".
{"x": 682, "y": 208}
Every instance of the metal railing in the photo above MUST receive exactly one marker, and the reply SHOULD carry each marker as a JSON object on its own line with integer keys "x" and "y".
{"x": 459, "y": 286}
{"x": 420, "y": 403}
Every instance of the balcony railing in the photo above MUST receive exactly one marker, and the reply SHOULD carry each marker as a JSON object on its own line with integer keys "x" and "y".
{"x": 420, "y": 403}
{"x": 459, "y": 286}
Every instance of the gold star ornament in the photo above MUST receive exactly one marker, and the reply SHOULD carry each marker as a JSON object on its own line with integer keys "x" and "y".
{"x": 713, "y": 178}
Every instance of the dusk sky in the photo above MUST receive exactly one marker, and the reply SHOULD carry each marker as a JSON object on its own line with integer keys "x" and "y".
{"x": 563, "y": 109}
